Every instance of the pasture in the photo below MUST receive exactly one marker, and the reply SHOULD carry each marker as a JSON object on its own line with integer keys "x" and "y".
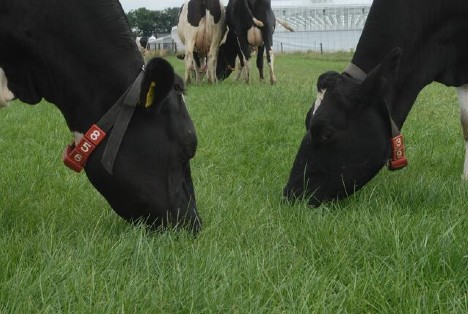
{"x": 398, "y": 245}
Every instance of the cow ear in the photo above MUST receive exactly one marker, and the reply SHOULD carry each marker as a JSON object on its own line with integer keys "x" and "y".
{"x": 381, "y": 78}
{"x": 157, "y": 82}
{"x": 327, "y": 80}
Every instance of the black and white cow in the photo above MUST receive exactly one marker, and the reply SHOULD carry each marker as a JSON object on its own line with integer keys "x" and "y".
{"x": 250, "y": 24}
{"x": 81, "y": 56}
{"x": 201, "y": 28}
{"x": 352, "y": 130}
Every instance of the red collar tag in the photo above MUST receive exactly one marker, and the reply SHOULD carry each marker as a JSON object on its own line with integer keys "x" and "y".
{"x": 76, "y": 155}
{"x": 398, "y": 159}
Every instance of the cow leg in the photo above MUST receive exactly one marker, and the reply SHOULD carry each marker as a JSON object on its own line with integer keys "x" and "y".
{"x": 211, "y": 63}
{"x": 189, "y": 64}
{"x": 239, "y": 67}
{"x": 198, "y": 66}
{"x": 463, "y": 99}
{"x": 271, "y": 60}
{"x": 193, "y": 60}
{"x": 199, "y": 62}
{"x": 245, "y": 58}
{"x": 260, "y": 51}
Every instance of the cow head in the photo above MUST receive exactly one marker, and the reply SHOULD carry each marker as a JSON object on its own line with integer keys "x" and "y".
{"x": 348, "y": 133}
{"x": 81, "y": 56}
{"x": 228, "y": 52}
{"x": 151, "y": 180}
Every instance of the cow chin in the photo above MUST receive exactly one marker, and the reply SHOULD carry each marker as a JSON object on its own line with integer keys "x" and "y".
{"x": 183, "y": 212}
{"x": 316, "y": 188}
{"x": 318, "y": 179}
{"x": 152, "y": 204}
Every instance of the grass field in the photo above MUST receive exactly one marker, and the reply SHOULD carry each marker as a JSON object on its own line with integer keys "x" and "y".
{"x": 400, "y": 245}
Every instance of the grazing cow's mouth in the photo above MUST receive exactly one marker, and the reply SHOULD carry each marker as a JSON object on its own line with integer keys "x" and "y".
{"x": 183, "y": 208}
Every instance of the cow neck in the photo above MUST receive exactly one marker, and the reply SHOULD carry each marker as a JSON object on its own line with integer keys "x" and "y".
{"x": 397, "y": 158}
{"x": 116, "y": 118}
{"x": 402, "y": 23}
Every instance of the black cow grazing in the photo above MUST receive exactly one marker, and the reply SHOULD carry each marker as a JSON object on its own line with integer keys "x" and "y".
{"x": 251, "y": 24}
{"x": 81, "y": 56}
{"x": 201, "y": 28}
{"x": 353, "y": 127}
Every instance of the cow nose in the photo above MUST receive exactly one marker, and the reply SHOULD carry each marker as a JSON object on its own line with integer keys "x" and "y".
{"x": 291, "y": 195}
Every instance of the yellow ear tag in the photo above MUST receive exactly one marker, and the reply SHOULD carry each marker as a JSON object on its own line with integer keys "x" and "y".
{"x": 150, "y": 95}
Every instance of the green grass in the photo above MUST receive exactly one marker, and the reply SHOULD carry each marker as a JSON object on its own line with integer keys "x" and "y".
{"x": 397, "y": 246}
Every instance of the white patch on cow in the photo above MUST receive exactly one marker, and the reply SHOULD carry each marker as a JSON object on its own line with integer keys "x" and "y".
{"x": 142, "y": 49}
{"x": 462, "y": 92}
{"x": 223, "y": 41}
{"x": 77, "y": 136}
{"x": 185, "y": 103}
{"x": 318, "y": 100}
{"x": 5, "y": 94}
{"x": 271, "y": 66}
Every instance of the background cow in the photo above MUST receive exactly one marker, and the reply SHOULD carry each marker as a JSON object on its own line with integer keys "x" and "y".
{"x": 353, "y": 126}
{"x": 81, "y": 56}
{"x": 201, "y": 28}
{"x": 251, "y": 24}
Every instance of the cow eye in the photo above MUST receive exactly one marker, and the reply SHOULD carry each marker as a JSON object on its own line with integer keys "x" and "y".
{"x": 325, "y": 138}
{"x": 178, "y": 86}
{"x": 322, "y": 136}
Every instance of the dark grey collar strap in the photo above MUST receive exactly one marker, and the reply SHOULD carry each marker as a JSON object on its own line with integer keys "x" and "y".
{"x": 355, "y": 72}
{"x": 118, "y": 118}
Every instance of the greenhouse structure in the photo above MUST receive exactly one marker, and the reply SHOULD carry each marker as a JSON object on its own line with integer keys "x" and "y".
{"x": 319, "y": 25}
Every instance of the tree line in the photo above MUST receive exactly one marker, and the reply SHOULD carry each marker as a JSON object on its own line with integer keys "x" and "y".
{"x": 146, "y": 22}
